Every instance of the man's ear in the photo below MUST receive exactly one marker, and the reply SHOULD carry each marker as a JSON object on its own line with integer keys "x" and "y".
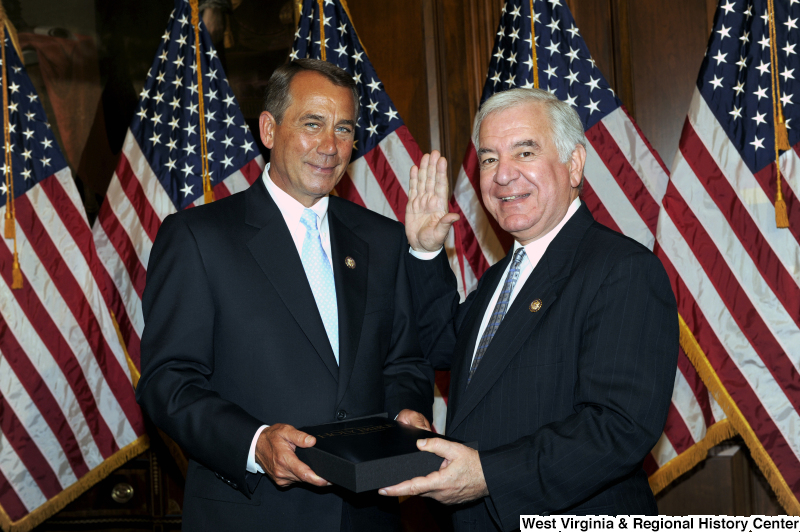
{"x": 266, "y": 128}
{"x": 576, "y": 164}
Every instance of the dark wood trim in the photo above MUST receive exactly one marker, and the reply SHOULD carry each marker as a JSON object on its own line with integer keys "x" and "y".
{"x": 623, "y": 68}
{"x": 436, "y": 94}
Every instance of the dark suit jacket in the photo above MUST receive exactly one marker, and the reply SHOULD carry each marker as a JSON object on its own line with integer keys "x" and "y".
{"x": 568, "y": 400}
{"x": 233, "y": 340}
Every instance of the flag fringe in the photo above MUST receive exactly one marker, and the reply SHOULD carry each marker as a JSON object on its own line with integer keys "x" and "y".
{"x": 783, "y": 492}
{"x": 57, "y": 503}
{"x": 718, "y": 432}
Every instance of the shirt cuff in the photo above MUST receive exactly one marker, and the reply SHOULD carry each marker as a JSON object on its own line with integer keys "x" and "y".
{"x": 252, "y": 465}
{"x": 424, "y": 255}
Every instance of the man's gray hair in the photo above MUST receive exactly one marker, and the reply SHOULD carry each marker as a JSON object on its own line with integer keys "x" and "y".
{"x": 565, "y": 124}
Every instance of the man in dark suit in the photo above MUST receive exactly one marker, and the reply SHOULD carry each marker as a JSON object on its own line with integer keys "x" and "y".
{"x": 563, "y": 359}
{"x": 276, "y": 308}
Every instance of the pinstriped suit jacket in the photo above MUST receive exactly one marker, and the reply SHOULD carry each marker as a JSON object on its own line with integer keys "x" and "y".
{"x": 568, "y": 400}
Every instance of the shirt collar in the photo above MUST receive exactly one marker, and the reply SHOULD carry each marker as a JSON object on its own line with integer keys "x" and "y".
{"x": 535, "y": 250}
{"x": 290, "y": 208}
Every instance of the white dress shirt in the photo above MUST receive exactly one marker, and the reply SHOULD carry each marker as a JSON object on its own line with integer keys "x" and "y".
{"x": 533, "y": 253}
{"x": 292, "y": 210}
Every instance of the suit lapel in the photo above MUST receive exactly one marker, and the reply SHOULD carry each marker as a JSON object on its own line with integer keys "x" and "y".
{"x": 276, "y": 254}
{"x": 465, "y": 345}
{"x": 545, "y": 283}
{"x": 351, "y": 289}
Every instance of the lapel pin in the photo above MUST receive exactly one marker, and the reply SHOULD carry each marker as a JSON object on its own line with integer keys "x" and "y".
{"x": 350, "y": 263}
{"x": 536, "y": 304}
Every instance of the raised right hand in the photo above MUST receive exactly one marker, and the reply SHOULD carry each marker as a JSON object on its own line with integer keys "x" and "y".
{"x": 275, "y": 454}
{"x": 427, "y": 218}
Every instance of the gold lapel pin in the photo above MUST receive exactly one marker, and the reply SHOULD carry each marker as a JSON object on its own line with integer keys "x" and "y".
{"x": 536, "y": 304}
{"x": 350, "y": 263}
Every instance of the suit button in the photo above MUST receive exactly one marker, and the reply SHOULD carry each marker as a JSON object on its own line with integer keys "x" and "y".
{"x": 341, "y": 414}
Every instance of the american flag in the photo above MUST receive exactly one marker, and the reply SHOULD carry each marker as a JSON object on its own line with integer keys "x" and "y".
{"x": 624, "y": 183}
{"x": 160, "y": 167}
{"x": 736, "y": 275}
{"x": 68, "y": 416}
{"x": 385, "y": 151}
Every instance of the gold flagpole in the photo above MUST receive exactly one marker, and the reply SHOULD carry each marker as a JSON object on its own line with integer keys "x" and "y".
{"x": 208, "y": 192}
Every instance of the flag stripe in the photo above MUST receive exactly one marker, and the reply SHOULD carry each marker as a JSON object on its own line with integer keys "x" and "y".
{"x": 118, "y": 381}
{"x": 221, "y": 190}
{"x": 619, "y": 166}
{"x": 42, "y": 337}
{"x": 9, "y": 499}
{"x": 130, "y": 185}
{"x": 699, "y": 389}
{"x": 738, "y": 305}
{"x": 650, "y": 465}
{"x": 252, "y": 170}
{"x": 675, "y": 429}
{"x": 42, "y": 398}
{"x": 662, "y": 451}
{"x": 412, "y": 148}
{"x": 609, "y": 192}
{"x": 132, "y": 230}
{"x": 119, "y": 291}
{"x": 782, "y": 242}
{"x": 157, "y": 197}
{"x": 708, "y": 318}
{"x": 400, "y": 161}
{"x": 737, "y": 279}
{"x": 384, "y": 175}
{"x": 14, "y": 470}
{"x": 767, "y": 181}
{"x": 347, "y": 190}
{"x": 30, "y": 419}
{"x": 65, "y": 223}
{"x": 119, "y": 239}
{"x": 368, "y": 188}
{"x": 470, "y": 246}
{"x": 471, "y": 169}
{"x": 718, "y": 190}
{"x": 657, "y": 173}
{"x": 740, "y": 389}
{"x": 27, "y": 451}
{"x": 686, "y": 404}
{"x": 598, "y": 209}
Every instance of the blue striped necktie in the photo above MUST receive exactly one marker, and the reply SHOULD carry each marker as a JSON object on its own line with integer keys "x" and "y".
{"x": 320, "y": 276}
{"x": 499, "y": 311}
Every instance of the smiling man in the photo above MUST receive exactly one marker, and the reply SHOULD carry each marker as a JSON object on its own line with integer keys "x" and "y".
{"x": 276, "y": 308}
{"x": 563, "y": 359}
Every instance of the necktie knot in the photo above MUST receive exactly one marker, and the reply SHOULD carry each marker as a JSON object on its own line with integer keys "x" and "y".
{"x": 518, "y": 256}
{"x": 309, "y": 220}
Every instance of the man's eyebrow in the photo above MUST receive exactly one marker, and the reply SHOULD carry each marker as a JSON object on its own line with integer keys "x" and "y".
{"x": 312, "y": 116}
{"x": 528, "y": 143}
{"x": 484, "y": 151}
{"x": 346, "y": 123}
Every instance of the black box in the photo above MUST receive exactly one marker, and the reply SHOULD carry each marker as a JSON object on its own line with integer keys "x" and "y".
{"x": 369, "y": 453}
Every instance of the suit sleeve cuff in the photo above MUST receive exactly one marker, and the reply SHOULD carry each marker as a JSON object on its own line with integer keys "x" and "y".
{"x": 424, "y": 255}
{"x": 252, "y": 466}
